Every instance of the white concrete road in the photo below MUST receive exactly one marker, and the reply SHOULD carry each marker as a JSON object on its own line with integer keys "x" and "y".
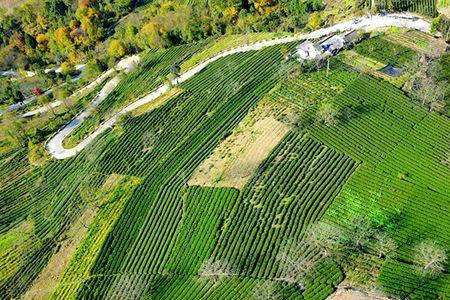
{"x": 54, "y": 145}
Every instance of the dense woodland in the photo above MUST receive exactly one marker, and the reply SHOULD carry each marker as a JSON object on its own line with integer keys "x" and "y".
{"x": 52, "y": 31}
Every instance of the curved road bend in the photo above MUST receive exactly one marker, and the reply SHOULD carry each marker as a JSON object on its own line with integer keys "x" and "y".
{"x": 54, "y": 145}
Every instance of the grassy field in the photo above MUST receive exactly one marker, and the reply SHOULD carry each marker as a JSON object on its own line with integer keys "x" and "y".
{"x": 160, "y": 232}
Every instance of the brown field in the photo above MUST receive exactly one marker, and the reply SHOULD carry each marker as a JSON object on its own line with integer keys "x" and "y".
{"x": 51, "y": 275}
{"x": 236, "y": 159}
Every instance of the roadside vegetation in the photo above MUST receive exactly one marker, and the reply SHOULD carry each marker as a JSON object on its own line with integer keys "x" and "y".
{"x": 259, "y": 178}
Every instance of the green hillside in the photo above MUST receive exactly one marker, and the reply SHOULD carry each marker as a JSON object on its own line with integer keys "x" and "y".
{"x": 354, "y": 192}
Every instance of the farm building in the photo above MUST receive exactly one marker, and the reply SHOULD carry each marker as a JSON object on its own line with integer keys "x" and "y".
{"x": 351, "y": 38}
{"x": 309, "y": 50}
{"x": 333, "y": 44}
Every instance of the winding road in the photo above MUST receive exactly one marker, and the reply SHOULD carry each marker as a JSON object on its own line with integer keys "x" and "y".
{"x": 54, "y": 144}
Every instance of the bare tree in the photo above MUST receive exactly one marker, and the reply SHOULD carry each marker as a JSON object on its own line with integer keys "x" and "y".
{"x": 325, "y": 237}
{"x": 148, "y": 141}
{"x": 328, "y": 114}
{"x": 215, "y": 269}
{"x": 266, "y": 290}
{"x": 294, "y": 264}
{"x": 359, "y": 234}
{"x": 429, "y": 258}
{"x": 446, "y": 160}
{"x": 384, "y": 245}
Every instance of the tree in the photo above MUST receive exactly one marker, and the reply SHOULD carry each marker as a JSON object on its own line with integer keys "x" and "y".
{"x": 384, "y": 245}
{"x": 67, "y": 68}
{"x": 7, "y": 94}
{"x": 45, "y": 100}
{"x": 315, "y": 21}
{"x": 214, "y": 269}
{"x": 121, "y": 121}
{"x": 117, "y": 48}
{"x": 266, "y": 290}
{"x": 63, "y": 94}
{"x": 175, "y": 70}
{"x": 92, "y": 69}
{"x": 148, "y": 141}
{"x": 14, "y": 130}
{"x": 430, "y": 93}
{"x": 328, "y": 114}
{"x": 359, "y": 234}
{"x": 36, "y": 91}
{"x": 17, "y": 97}
{"x": 37, "y": 154}
{"x": 429, "y": 259}
{"x": 326, "y": 238}
{"x": 294, "y": 264}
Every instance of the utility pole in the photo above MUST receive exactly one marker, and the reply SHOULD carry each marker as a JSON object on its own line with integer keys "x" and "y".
{"x": 328, "y": 66}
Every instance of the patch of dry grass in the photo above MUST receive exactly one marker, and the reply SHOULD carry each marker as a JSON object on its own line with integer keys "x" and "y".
{"x": 51, "y": 275}
{"x": 233, "y": 163}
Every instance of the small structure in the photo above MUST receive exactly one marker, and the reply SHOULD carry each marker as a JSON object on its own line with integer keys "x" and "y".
{"x": 309, "y": 51}
{"x": 351, "y": 38}
{"x": 392, "y": 71}
{"x": 329, "y": 45}
{"x": 333, "y": 44}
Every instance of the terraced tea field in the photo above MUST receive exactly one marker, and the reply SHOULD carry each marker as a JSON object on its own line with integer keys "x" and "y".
{"x": 156, "y": 233}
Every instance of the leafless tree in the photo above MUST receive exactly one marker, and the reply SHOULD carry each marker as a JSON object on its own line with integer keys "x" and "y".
{"x": 328, "y": 114}
{"x": 325, "y": 237}
{"x": 446, "y": 160}
{"x": 294, "y": 263}
{"x": 384, "y": 245}
{"x": 359, "y": 234}
{"x": 266, "y": 290}
{"x": 215, "y": 269}
{"x": 429, "y": 258}
{"x": 148, "y": 141}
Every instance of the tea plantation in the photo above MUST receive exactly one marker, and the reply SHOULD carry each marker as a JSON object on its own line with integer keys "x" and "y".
{"x": 153, "y": 236}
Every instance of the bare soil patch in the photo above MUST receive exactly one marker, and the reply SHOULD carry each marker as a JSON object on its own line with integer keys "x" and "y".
{"x": 349, "y": 293}
{"x": 152, "y": 105}
{"x": 50, "y": 276}
{"x": 236, "y": 159}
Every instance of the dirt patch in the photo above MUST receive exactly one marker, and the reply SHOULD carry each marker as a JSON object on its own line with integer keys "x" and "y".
{"x": 51, "y": 275}
{"x": 152, "y": 105}
{"x": 9, "y": 5}
{"x": 349, "y": 293}
{"x": 236, "y": 159}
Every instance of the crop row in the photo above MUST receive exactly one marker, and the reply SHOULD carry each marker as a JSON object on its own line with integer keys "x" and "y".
{"x": 384, "y": 51}
{"x": 186, "y": 130}
{"x": 48, "y": 199}
{"x": 426, "y": 7}
{"x": 292, "y": 189}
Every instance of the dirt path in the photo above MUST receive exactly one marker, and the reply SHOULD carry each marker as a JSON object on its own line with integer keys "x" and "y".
{"x": 54, "y": 145}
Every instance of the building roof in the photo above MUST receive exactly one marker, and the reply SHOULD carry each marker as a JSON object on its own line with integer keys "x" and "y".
{"x": 309, "y": 50}
{"x": 352, "y": 36}
{"x": 335, "y": 42}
